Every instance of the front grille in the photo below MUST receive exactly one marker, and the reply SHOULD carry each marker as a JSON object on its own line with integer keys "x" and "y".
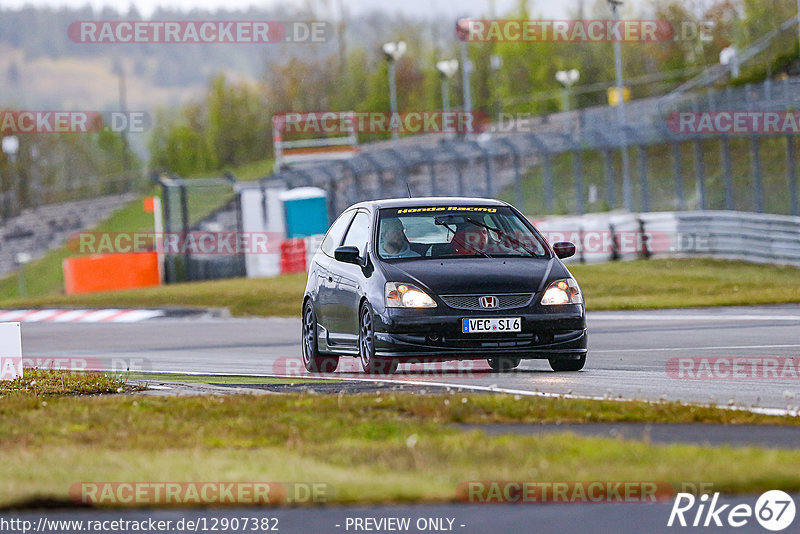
{"x": 506, "y": 301}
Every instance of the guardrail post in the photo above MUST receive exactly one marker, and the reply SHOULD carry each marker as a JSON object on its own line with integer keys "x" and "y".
{"x": 700, "y": 172}
{"x": 549, "y": 195}
{"x": 185, "y": 228}
{"x": 432, "y": 172}
{"x": 727, "y": 173}
{"x": 519, "y": 200}
{"x": 458, "y": 160}
{"x": 642, "y": 154}
{"x": 378, "y": 170}
{"x": 548, "y": 173}
{"x": 608, "y": 170}
{"x": 677, "y": 167}
{"x": 577, "y": 169}
{"x": 792, "y": 172}
{"x": 758, "y": 187}
{"x": 330, "y": 202}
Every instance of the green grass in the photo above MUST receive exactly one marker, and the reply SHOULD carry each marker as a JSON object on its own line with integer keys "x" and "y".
{"x": 44, "y": 382}
{"x": 367, "y": 448}
{"x": 618, "y": 285}
{"x": 243, "y": 297}
{"x": 45, "y": 276}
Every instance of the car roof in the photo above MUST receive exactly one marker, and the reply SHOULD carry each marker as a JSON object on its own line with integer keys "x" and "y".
{"x": 420, "y": 202}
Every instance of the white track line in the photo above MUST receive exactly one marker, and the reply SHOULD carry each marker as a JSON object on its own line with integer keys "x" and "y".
{"x": 615, "y": 316}
{"x": 672, "y": 349}
{"x": 491, "y": 389}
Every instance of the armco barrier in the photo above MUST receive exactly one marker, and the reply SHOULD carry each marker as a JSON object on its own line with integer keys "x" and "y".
{"x": 109, "y": 272}
{"x": 754, "y": 237}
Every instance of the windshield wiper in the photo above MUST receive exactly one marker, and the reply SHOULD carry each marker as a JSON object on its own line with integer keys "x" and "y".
{"x": 458, "y": 241}
{"x": 504, "y": 234}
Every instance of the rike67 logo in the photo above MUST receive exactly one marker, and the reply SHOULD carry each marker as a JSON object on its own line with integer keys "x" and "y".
{"x": 774, "y": 510}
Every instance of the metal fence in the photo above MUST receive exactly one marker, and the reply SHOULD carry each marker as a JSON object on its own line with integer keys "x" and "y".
{"x": 209, "y": 205}
{"x": 573, "y": 162}
{"x": 564, "y": 163}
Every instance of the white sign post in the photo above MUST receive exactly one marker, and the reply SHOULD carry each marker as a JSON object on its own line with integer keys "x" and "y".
{"x": 10, "y": 351}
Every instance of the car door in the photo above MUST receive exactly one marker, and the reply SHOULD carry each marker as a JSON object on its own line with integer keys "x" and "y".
{"x": 325, "y": 280}
{"x": 350, "y": 281}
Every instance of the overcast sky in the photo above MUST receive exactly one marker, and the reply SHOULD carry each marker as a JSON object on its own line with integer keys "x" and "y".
{"x": 422, "y": 7}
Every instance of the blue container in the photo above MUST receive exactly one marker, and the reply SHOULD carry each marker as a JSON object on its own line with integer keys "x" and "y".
{"x": 306, "y": 212}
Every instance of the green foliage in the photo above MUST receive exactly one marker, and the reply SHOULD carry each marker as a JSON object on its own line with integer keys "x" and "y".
{"x": 231, "y": 125}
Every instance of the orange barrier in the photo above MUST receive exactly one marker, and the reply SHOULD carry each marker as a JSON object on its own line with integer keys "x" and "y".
{"x": 110, "y": 272}
{"x": 293, "y": 255}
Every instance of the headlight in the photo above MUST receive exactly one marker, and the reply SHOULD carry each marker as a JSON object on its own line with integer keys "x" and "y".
{"x": 407, "y": 296}
{"x": 562, "y": 292}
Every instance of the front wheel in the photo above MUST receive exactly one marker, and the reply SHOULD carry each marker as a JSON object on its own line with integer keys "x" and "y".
{"x": 366, "y": 345}
{"x": 503, "y": 364}
{"x": 558, "y": 364}
{"x": 314, "y": 361}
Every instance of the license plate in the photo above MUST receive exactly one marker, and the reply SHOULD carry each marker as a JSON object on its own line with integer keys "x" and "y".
{"x": 478, "y": 326}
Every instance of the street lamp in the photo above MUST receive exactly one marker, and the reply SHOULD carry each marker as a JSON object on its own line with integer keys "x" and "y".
{"x": 627, "y": 191}
{"x": 10, "y": 147}
{"x": 447, "y": 69}
{"x": 393, "y": 51}
{"x": 495, "y": 63}
{"x": 567, "y": 78}
{"x": 462, "y": 31}
{"x": 729, "y": 56}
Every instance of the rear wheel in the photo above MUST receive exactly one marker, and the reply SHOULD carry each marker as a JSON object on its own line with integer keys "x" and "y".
{"x": 313, "y": 359}
{"x": 366, "y": 345}
{"x": 568, "y": 365}
{"x": 503, "y": 364}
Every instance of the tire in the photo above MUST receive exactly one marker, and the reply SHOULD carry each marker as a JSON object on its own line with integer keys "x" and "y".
{"x": 370, "y": 363}
{"x": 503, "y": 364}
{"x": 568, "y": 365}
{"x": 313, "y": 360}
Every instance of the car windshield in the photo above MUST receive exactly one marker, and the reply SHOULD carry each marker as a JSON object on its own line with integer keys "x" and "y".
{"x": 437, "y": 232}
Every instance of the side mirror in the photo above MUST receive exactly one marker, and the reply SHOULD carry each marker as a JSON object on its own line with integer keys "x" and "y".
{"x": 347, "y": 255}
{"x": 564, "y": 249}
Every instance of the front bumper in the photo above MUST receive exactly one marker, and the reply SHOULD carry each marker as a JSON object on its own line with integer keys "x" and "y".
{"x": 435, "y": 334}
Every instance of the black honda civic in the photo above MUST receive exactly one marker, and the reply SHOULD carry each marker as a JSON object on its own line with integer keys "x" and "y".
{"x": 432, "y": 279}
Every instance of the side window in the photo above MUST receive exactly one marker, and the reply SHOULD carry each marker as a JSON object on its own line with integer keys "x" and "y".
{"x": 358, "y": 234}
{"x": 334, "y": 235}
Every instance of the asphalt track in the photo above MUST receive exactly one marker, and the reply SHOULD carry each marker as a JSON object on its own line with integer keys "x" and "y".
{"x": 629, "y": 354}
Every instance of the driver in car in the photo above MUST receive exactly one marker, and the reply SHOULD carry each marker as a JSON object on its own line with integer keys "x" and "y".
{"x": 469, "y": 240}
{"x": 393, "y": 242}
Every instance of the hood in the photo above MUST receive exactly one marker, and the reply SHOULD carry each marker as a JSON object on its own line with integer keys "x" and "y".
{"x": 476, "y": 275}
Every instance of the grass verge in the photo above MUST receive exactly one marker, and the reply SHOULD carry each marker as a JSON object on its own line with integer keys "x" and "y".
{"x": 367, "y": 448}
{"x": 618, "y": 285}
{"x": 43, "y": 382}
